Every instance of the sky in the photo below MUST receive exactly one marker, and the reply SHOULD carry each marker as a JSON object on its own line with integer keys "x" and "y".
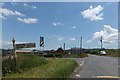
{"x": 59, "y": 23}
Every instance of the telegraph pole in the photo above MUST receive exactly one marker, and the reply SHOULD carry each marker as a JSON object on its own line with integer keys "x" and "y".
{"x": 64, "y": 46}
{"x": 81, "y": 45}
{"x": 101, "y": 43}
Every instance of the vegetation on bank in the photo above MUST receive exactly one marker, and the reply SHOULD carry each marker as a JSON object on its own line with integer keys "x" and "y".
{"x": 55, "y": 68}
{"x": 24, "y": 62}
{"x": 110, "y": 52}
{"x": 83, "y": 55}
{"x": 59, "y": 55}
{"x": 113, "y": 53}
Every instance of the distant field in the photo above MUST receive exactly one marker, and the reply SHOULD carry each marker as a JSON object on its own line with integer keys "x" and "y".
{"x": 37, "y": 67}
{"x": 110, "y": 52}
{"x": 113, "y": 53}
{"x": 76, "y": 56}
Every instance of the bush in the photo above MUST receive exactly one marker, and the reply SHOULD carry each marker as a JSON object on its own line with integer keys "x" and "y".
{"x": 23, "y": 63}
{"x": 59, "y": 55}
{"x": 94, "y": 52}
{"x": 7, "y": 66}
{"x": 86, "y": 51}
{"x": 49, "y": 55}
{"x": 83, "y": 55}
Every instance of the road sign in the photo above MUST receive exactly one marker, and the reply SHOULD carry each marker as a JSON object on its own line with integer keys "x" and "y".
{"x": 41, "y": 41}
{"x": 26, "y": 45}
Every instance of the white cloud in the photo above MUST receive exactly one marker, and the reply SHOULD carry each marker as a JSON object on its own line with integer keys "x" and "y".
{"x": 72, "y": 39}
{"x": 7, "y": 12}
{"x": 25, "y": 4}
{"x": 73, "y": 27}
{"x": 57, "y": 24}
{"x": 94, "y": 14}
{"x": 108, "y": 33}
{"x": 60, "y": 38}
{"x": 30, "y": 6}
{"x": 34, "y": 7}
{"x": 28, "y": 20}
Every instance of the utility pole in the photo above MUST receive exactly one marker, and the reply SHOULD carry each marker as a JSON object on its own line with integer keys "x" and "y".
{"x": 81, "y": 45}
{"x": 64, "y": 46}
{"x": 101, "y": 43}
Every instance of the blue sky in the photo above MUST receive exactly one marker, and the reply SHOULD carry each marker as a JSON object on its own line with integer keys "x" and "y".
{"x": 60, "y": 23}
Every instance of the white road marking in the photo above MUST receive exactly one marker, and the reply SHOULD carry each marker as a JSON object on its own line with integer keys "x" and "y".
{"x": 107, "y": 77}
{"x": 77, "y": 75}
{"x": 82, "y": 63}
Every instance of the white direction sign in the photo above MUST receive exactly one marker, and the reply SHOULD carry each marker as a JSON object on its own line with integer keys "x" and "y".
{"x": 26, "y": 45}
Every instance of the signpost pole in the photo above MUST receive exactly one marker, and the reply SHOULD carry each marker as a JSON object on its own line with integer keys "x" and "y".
{"x": 14, "y": 54}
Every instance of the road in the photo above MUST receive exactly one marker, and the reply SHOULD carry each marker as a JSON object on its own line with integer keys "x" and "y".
{"x": 97, "y": 67}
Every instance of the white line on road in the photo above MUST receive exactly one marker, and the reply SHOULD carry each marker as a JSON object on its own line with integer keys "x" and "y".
{"x": 107, "y": 77}
{"x": 82, "y": 63}
{"x": 77, "y": 75}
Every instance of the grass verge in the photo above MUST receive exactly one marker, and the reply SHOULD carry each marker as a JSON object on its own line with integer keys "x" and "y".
{"x": 76, "y": 56}
{"x": 55, "y": 68}
{"x": 24, "y": 62}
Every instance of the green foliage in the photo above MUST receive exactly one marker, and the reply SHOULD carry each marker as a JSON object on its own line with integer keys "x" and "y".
{"x": 109, "y": 52}
{"x": 55, "y": 68}
{"x": 83, "y": 55}
{"x": 7, "y": 66}
{"x": 58, "y": 55}
{"x": 65, "y": 70}
{"x": 113, "y": 53}
{"x": 23, "y": 63}
{"x": 94, "y": 51}
{"x": 75, "y": 55}
{"x": 49, "y": 55}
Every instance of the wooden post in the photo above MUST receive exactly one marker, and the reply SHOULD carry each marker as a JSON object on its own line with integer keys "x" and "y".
{"x": 81, "y": 45}
{"x": 14, "y": 54}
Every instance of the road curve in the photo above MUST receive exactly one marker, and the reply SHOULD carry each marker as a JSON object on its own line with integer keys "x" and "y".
{"x": 97, "y": 67}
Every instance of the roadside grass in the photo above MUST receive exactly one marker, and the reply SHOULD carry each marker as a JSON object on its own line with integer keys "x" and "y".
{"x": 55, "y": 68}
{"x": 76, "y": 56}
{"x": 24, "y": 62}
{"x": 113, "y": 53}
{"x": 109, "y": 52}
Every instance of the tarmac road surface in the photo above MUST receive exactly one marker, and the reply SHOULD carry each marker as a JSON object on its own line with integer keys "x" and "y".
{"x": 97, "y": 67}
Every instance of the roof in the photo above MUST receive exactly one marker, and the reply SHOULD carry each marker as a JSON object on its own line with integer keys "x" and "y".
{"x": 59, "y": 50}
